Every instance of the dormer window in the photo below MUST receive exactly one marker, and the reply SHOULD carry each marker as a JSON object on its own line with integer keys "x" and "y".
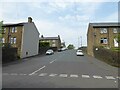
{"x": 103, "y": 30}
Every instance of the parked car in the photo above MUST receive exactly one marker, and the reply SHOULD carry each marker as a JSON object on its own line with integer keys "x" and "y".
{"x": 59, "y": 50}
{"x": 79, "y": 53}
{"x": 49, "y": 52}
{"x": 79, "y": 50}
{"x": 64, "y": 48}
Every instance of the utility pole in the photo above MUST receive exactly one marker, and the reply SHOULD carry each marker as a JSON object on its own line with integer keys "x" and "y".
{"x": 78, "y": 41}
{"x": 81, "y": 40}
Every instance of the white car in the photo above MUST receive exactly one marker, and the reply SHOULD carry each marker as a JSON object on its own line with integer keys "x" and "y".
{"x": 79, "y": 53}
{"x": 49, "y": 52}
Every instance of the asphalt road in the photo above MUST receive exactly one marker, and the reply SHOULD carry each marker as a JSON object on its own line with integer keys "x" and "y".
{"x": 61, "y": 70}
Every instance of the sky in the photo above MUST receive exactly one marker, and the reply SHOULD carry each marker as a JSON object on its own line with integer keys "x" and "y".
{"x": 67, "y": 18}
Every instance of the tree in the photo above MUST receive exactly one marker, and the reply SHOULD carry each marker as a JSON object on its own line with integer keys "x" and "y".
{"x": 118, "y": 38}
{"x": 70, "y": 46}
{"x": 44, "y": 44}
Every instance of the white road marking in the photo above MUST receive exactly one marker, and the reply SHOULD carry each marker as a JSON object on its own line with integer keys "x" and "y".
{"x": 85, "y": 76}
{"x": 73, "y": 75}
{"x": 52, "y": 61}
{"x": 63, "y": 75}
{"x": 37, "y": 70}
{"x": 43, "y": 74}
{"x": 22, "y": 74}
{"x": 13, "y": 74}
{"x": 52, "y": 75}
{"x": 97, "y": 77}
{"x": 109, "y": 77}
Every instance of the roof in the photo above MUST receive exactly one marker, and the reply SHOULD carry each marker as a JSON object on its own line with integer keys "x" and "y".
{"x": 105, "y": 24}
{"x": 16, "y": 24}
{"x": 49, "y": 38}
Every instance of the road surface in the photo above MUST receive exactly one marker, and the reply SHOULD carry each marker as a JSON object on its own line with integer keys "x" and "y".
{"x": 61, "y": 70}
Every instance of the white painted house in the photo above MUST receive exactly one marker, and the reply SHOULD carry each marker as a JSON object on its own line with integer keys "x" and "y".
{"x": 30, "y": 40}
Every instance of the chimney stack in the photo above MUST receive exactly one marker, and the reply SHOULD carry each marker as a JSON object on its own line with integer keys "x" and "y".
{"x": 29, "y": 19}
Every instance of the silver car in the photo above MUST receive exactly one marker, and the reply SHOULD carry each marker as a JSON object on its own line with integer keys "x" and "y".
{"x": 79, "y": 53}
{"x": 49, "y": 52}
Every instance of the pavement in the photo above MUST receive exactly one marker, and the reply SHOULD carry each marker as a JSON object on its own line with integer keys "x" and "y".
{"x": 60, "y": 70}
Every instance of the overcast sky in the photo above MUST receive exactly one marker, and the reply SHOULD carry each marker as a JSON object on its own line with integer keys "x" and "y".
{"x": 67, "y": 18}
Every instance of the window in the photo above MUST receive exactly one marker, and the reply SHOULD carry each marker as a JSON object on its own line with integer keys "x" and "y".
{"x": 3, "y": 40}
{"x": 11, "y": 40}
{"x": 103, "y": 41}
{"x": 53, "y": 41}
{"x": 103, "y": 30}
{"x": 14, "y": 29}
{"x": 114, "y": 30}
{"x": 14, "y": 40}
{"x": 53, "y": 45}
{"x": 4, "y": 30}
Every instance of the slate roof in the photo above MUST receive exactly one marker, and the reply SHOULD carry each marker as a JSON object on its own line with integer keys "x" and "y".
{"x": 16, "y": 24}
{"x": 105, "y": 24}
{"x": 49, "y": 38}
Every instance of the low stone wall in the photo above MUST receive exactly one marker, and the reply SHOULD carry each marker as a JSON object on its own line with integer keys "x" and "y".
{"x": 9, "y": 54}
{"x": 108, "y": 56}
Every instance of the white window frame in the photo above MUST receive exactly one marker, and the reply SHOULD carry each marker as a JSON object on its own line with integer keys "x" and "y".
{"x": 3, "y": 40}
{"x": 14, "y": 29}
{"x": 14, "y": 40}
{"x": 53, "y": 45}
{"x": 11, "y": 40}
{"x": 115, "y": 30}
{"x": 105, "y": 40}
{"x": 53, "y": 41}
{"x": 103, "y": 30}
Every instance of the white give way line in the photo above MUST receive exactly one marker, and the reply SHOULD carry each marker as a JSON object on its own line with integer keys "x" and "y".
{"x": 37, "y": 70}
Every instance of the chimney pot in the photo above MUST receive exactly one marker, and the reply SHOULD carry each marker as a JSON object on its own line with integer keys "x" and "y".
{"x": 29, "y": 19}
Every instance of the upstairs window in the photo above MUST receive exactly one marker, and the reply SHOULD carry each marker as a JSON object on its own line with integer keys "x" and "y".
{"x": 115, "y": 30}
{"x": 103, "y": 30}
{"x": 14, "y": 29}
{"x": 4, "y": 30}
{"x": 103, "y": 41}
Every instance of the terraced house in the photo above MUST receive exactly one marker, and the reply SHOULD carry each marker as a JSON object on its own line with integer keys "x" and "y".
{"x": 54, "y": 42}
{"x": 101, "y": 34}
{"x": 24, "y": 36}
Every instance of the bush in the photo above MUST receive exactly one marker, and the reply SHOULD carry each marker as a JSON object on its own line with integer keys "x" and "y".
{"x": 107, "y": 56}
{"x": 9, "y": 54}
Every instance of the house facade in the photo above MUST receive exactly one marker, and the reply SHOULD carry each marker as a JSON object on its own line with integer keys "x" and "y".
{"x": 23, "y": 36}
{"x": 54, "y": 42}
{"x": 101, "y": 34}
